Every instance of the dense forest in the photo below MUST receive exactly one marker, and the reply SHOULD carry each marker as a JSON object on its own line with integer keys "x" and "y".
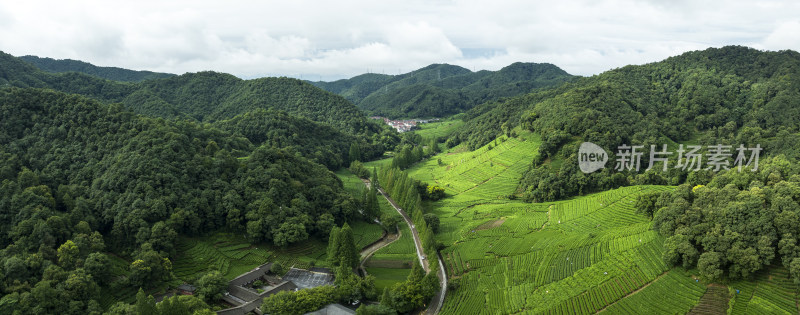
{"x": 213, "y": 97}
{"x": 735, "y": 225}
{"x": 80, "y": 178}
{"x": 110, "y": 73}
{"x": 441, "y": 90}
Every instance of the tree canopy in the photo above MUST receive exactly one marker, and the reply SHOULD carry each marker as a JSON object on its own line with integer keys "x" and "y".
{"x": 441, "y": 90}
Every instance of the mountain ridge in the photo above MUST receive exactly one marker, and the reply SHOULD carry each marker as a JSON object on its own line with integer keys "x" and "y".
{"x": 439, "y": 90}
{"x": 111, "y": 73}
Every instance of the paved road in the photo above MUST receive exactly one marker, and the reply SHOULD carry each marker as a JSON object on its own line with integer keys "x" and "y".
{"x": 438, "y": 299}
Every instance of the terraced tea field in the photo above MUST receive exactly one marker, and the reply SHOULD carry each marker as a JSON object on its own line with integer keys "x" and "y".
{"x": 575, "y": 256}
{"x": 773, "y": 292}
{"x": 673, "y": 293}
{"x": 366, "y": 233}
{"x": 398, "y": 254}
{"x": 490, "y": 172}
{"x": 580, "y": 256}
{"x": 233, "y": 255}
{"x": 439, "y": 129}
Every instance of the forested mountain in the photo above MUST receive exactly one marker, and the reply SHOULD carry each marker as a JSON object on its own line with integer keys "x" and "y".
{"x": 79, "y": 178}
{"x": 16, "y": 72}
{"x": 730, "y": 95}
{"x": 441, "y": 90}
{"x": 110, "y": 73}
{"x": 204, "y": 96}
{"x": 321, "y": 143}
{"x": 211, "y": 97}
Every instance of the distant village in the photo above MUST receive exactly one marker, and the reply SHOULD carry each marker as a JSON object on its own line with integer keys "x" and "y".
{"x": 404, "y": 125}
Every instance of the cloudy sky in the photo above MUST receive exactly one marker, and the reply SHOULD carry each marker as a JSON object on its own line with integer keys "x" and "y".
{"x": 338, "y": 39}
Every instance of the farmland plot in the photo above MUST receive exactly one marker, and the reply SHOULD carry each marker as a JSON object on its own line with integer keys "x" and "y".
{"x": 576, "y": 256}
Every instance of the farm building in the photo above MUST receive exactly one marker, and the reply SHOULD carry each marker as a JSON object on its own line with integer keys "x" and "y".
{"x": 186, "y": 289}
{"x": 246, "y": 299}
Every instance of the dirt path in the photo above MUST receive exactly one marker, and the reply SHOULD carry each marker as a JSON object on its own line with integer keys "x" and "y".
{"x": 417, "y": 243}
{"x": 438, "y": 299}
{"x": 366, "y": 253}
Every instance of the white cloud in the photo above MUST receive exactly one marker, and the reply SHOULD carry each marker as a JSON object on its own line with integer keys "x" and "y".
{"x": 785, "y": 36}
{"x": 345, "y": 38}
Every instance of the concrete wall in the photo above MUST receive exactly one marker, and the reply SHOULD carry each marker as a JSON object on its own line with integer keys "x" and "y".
{"x": 242, "y": 293}
{"x": 251, "y": 276}
{"x": 254, "y": 304}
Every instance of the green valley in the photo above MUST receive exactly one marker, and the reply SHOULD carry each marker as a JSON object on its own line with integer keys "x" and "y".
{"x": 211, "y": 193}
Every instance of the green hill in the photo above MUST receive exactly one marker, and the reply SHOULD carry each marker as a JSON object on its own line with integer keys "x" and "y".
{"x": 110, "y": 73}
{"x": 212, "y": 97}
{"x": 203, "y": 96}
{"x": 441, "y": 90}
{"x": 732, "y": 95}
{"x": 318, "y": 142}
{"x": 90, "y": 181}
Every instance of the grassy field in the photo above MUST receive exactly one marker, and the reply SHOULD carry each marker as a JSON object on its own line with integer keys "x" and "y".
{"x": 439, "y": 129}
{"x": 388, "y": 277}
{"x": 384, "y": 162}
{"x": 351, "y": 183}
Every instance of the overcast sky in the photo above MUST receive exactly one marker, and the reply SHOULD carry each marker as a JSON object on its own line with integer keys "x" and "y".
{"x": 339, "y": 39}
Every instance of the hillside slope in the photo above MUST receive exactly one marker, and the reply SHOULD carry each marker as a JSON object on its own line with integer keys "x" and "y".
{"x": 728, "y": 223}
{"x": 507, "y": 256}
{"x": 110, "y": 73}
{"x": 212, "y": 97}
{"x": 83, "y": 181}
{"x": 732, "y": 95}
{"x": 441, "y": 90}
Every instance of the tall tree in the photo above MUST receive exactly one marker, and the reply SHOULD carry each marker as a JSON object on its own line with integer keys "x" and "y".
{"x": 355, "y": 152}
{"x": 333, "y": 246}
{"x": 145, "y": 304}
{"x": 211, "y": 286}
{"x": 348, "y": 251}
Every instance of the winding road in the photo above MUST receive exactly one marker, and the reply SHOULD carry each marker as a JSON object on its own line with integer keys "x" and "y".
{"x": 367, "y": 252}
{"x": 438, "y": 300}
